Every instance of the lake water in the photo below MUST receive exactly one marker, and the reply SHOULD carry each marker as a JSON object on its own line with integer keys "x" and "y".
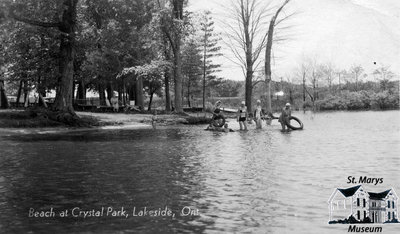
{"x": 260, "y": 181}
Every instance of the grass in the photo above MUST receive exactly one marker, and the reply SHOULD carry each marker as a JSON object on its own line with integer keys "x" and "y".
{"x": 25, "y": 119}
{"x": 38, "y": 118}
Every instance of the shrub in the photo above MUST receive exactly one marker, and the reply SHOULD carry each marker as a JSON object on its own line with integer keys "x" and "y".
{"x": 359, "y": 101}
{"x": 383, "y": 100}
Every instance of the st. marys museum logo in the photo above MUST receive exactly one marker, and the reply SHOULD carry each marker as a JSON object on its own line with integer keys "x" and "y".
{"x": 355, "y": 205}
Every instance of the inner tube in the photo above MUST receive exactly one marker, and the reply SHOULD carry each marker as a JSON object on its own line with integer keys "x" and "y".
{"x": 293, "y": 127}
{"x": 271, "y": 116}
{"x": 219, "y": 121}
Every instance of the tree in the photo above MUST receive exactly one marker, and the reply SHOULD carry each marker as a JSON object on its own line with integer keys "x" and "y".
{"x": 268, "y": 50}
{"x": 328, "y": 72}
{"x": 383, "y": 75}
{"x": 173, "y": 26}
{"x": 314, "y": 78}
{"x": 341, "y": 74}
{"x": 116, "y": 34}
{"x": 3, "y": 96}
{"x": 246, "y": 39}
{"x": 29, "y": 58}
{"x": 209, "y": 43}
{"x": 159, "y": 27}
{"x": 152, "y": 74}
{"x": 301, "y": 75}
{"x": 228, "y": 88}
{"x": 356, "y": 71}
{"x": 191, "y": 66}
{"x": 66, "y": 26}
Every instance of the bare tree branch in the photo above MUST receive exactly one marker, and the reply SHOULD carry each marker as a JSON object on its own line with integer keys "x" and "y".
{"x": 32, "y": 21}
{"x": 257, "y": 82}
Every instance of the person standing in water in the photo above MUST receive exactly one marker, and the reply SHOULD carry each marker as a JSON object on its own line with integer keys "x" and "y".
{"x": 242, "y": 116}
{"x": 285, "y": 116}
{"x": 258, "y": 115}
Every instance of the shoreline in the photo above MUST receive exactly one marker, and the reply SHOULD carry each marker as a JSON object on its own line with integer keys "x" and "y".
{"x": 14, "y": 119}
{"x": 17, "y": 119}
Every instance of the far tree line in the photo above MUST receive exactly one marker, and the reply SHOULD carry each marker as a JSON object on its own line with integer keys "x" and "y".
{"x": 320, "y": 86}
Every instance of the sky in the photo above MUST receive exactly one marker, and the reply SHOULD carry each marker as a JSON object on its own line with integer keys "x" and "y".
{"x": 339, "y": 32}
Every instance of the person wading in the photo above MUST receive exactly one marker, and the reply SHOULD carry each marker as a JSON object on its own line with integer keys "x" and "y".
{"x": 242, "y": 116}
{"x": 258, "y": 115}
{"x": 284, "y": 118}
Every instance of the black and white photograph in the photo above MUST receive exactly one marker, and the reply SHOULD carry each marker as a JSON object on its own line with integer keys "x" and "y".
{"x": 199, "y": 116}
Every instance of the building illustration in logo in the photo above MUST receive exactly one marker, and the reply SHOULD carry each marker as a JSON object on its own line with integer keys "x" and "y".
{"x": 363, "y": 206}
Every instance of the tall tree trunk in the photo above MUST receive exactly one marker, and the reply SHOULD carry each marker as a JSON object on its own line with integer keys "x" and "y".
{"x": 3, "y": 96}
{"x": 123, "y": 91}
{"x": 268, "y": 65}
{"x": 120, "y": 94}
{"x": 109, "y": 91}
{"x": 132, "y": 92}
{"x": 268, "y": 96}
{"x": 291, "y": 95}
{"x": 304, "y": 91}
{"x": 21, "y": 83}
{"x": 304, "y": 88}
{"x": 42, "y": 92}
{"x": 63, "y": 101}
{"x": 183, "y": 91}
{"x": 188, "y": 92}
{"x": 102, "y": 96}
{"x": 167, "y": 76}
{"x": 42, "y": 101}
{"x": 268, "y": 56}
{"x": 178, "y": 78}
{"x": 314, "y": 93}
{"x": 139, "y": 92}
{"x": 204, "y": 69}
{"x": 81, "y": 91}
{"x": 150, "y": 101}
{"x": 249, "y": 68}
{"x": 167, "y": 92}
{"x": 26, "y": 94}
{"x": 249, "y": 88}
{"x": 178, "y": 15}
{"x": 73, "y": 91}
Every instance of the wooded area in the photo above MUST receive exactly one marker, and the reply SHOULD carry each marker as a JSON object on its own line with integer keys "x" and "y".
{"x": 115, "y": 48}
{"x": 136, "y": 50}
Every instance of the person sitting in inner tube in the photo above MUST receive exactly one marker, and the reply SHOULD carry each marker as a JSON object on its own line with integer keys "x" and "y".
{"x": 224, "y": 129}
{"x": 285, "y": 116}
{"x": 242, "y": 116}
{"x": 217, "y": 114}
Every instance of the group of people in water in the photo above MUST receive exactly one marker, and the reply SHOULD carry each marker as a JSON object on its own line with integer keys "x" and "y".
{"x": 218, "y": 120}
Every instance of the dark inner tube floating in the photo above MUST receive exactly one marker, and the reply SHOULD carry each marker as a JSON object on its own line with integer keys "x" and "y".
{"x": 219, "y": 121}
{"x": 272, "y": 116}
{"x": 298, "y": 121}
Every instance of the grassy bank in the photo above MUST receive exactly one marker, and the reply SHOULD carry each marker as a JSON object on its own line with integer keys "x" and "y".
{"x": 40, "y": 118}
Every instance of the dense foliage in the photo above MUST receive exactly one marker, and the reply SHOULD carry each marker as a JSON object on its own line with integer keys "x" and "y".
{"x": 129, "y": 49}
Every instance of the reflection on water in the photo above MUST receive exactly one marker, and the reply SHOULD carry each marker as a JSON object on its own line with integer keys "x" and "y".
{"x": 260, "y": 181}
